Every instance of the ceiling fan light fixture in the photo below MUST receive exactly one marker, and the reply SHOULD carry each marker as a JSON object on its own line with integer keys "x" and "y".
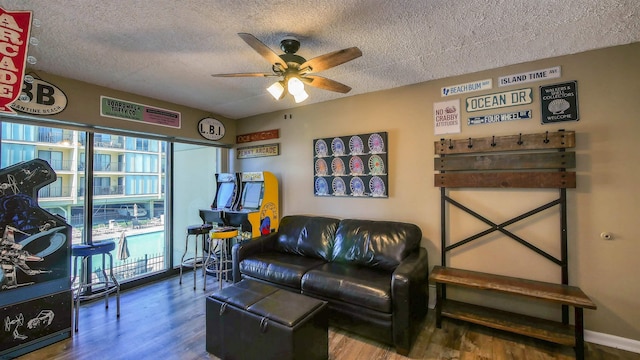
{"x": 276, "y": 90}
{"x": 301, "y": 96}
{"x": 296, "y": 88}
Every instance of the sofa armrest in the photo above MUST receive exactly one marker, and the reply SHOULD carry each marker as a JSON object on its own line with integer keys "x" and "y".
{"x": 410, "y": 294}
{"x": 249, "y": 247}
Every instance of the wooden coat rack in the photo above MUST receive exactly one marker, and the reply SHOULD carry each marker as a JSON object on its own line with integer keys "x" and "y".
{"x": 515, "y": 161}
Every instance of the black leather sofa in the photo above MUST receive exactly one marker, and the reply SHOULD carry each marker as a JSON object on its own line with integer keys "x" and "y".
{"x": 373, "y": 274}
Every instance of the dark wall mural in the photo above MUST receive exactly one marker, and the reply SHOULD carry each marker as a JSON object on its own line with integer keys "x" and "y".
{"x": 35, "y": 293}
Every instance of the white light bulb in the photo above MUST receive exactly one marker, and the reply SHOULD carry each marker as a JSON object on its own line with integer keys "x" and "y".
{"x": 295, "y": 86}
{"x": 276, "y": 90}
{"x": 300, "y": 96}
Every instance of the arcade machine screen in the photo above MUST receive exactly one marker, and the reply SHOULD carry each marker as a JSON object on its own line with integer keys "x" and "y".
{"x": 252, "y": 195}
{"x": 224, "y": 198}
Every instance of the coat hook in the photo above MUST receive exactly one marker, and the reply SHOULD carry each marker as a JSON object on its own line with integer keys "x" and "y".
{"x": 450, "y": 144}
{"x": 520, "y": 140}
{"x": 470, "y": 144}
{"x": 546, "y": 138}
{"x": 493, "y": 140}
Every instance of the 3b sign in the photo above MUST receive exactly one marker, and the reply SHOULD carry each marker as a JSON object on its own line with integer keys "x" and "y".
{"x": 39, "y": 97}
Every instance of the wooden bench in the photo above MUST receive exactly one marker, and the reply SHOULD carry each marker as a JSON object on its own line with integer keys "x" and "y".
{"x": 557, "y": 332}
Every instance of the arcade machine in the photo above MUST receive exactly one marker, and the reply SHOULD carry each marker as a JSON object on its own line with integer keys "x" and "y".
{"x": 226, "y": 198}
{"x": 35, "y": 289}
{"x": 258, "y": 211}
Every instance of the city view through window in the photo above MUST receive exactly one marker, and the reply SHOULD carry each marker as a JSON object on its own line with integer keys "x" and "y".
{"x": 128, "y": 192}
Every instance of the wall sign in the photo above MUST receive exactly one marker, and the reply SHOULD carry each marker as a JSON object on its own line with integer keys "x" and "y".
{"x": 258, "y": 151}
{"x": 466, "y": 88}
{"x": 351, "y": 166}
{"x": 39, "y": 97}
{"x": 446, "y": 117}
{"x": 15, "y": 27}
{"x": 258, "y": 136}
{"x": 494, "y": 118}
{"x": 127, "y": 110}
{"x": 529, "y": 76}
{"x": 499, "y": 100}
{"x": 559, "y": 102}
{"x": 211, "y": 129}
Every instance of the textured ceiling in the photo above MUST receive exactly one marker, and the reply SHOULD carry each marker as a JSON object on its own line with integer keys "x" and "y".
{"x": 168, "y": 49}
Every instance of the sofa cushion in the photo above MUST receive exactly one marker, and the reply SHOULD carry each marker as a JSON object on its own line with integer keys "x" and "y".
{"x": 375, "y": 244}
{"x": 310, "y": 236}
{"x": 279, "y": 268}
{"x": 357, "y": 285}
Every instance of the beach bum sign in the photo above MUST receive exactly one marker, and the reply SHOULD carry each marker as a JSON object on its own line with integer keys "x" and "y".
{"x": 494, "y": 118}
{"x": 529, "y": 76}
{"x": 499, "y": 100}
{"x": 466, "y": 88}
{"x": 14, "y": 27}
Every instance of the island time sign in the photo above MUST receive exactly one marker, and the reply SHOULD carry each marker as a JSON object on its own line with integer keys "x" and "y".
{"x": 529, "y": 76}
{"x": 499, "y": 100}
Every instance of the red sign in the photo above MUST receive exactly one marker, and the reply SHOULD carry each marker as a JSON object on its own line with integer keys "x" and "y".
{"x": 257, "y": 136}
{"x": 14, "y": 40}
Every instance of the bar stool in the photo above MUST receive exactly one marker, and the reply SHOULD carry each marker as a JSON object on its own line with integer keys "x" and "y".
{"x": 109, "y": 285}
{"x": 223, "y": 238}
{"x": 195, "y": 261}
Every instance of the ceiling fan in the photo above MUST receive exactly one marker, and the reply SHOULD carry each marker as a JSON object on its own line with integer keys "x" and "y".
{"x": 294, "y": 70}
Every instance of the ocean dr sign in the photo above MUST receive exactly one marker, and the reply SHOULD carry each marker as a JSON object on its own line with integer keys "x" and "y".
{"x": 499, "y": 100}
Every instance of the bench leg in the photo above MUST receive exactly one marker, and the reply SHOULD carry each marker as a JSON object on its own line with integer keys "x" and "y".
{"x": 439, "y": 305}
{"x": 579, "y": 326}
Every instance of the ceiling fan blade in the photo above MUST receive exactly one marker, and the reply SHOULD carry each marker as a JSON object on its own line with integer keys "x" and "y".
{"x": 244, "y": 75}
{"x": 326, "y": 84}
{"x": 263, "y": 49}
{"x": 327, "y": 61}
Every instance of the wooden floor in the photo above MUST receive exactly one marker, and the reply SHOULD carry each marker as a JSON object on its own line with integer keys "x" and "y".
{"x": 165, "y": 320}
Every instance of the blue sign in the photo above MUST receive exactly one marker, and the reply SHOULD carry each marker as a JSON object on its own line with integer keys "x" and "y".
{"x": 494, "y": 118}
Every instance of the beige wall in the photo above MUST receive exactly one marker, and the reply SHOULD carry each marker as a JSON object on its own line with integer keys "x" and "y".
{"x": 83, "y": 107}
{"x": 605, "y": 199}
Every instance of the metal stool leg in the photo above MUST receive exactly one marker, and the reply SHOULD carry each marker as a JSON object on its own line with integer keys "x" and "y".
{"x": 195, "y": 262}
{"x": 205, "y": 266}
{"x": 106, "y": 281}
{"x": 222, "y": 264}
{"x": 186, "y": 248}
{"x": 116, "y": 284}
{"x": 80, "y": 289}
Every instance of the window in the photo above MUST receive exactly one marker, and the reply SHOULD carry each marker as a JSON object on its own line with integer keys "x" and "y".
{"x": 127, "y": 195}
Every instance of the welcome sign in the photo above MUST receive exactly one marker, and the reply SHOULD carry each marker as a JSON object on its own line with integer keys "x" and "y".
{"x": 15, "y": 27}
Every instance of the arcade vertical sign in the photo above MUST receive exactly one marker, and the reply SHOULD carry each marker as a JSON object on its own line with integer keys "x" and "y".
{"x": 15, "y": 27}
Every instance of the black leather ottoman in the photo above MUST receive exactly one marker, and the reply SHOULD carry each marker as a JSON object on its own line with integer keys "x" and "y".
{"x": 251, "y": 320}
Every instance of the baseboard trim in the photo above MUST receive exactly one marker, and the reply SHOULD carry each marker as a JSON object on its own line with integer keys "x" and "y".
{"x": 613, "y": 341}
